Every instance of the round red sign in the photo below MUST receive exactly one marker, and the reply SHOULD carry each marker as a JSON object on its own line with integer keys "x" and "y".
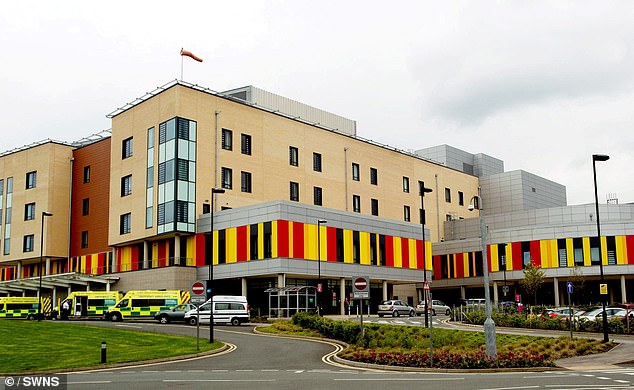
{"x": 360, "y": 284}
{"x": 198, "y": 288}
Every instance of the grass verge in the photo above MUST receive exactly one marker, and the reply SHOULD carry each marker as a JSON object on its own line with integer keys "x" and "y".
{"x": 31, "y": 346}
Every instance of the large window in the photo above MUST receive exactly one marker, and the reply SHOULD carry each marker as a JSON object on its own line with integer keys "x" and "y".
{"x": 294, "y": 191}
{"x": 317, "y": 162}
{"x": 227, "y": 139}
{"x": 246, "y": 181}
{"x": 375, "y": 207}
{"x": 355, "y": 172}
{"x": 374, "y": 176}
{"x": 227, "y": 178}
{"x": 125, "y": 223}
{"x": 246, "y": 144}
{"x": 27, "y": 243}
{"x": 405, "y": 184}
{"x": 126, "y": 148}
{"x": 29, "y": 211}
{"x": 30, "y": 179}
{"x": 356, "y": 203}
{"x": 317, "y": 196}
{"x": 126, "y": 185}
{"x": 293, "y": 156}
{"x": 406, "y": 214}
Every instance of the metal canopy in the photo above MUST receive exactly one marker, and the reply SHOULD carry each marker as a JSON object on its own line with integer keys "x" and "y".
{"x": 286, "y": 301}
{"x": 50, "y": 282}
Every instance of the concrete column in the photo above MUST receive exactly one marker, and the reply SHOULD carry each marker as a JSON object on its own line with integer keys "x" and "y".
{"x": 495, "y": 293}
{"x": 177, "y": 250}
{"x": 19, "y": 270}
{"x": 623, "y": 291}
{"x": 463, "y": 292}
{"x": 384, "y": 290}
{"x": 342, "y": 293}
{"x": 114, "y": 260}
{"x": 244, "y": 286}
{"x": 47, "y": 266}
{"x": 556, "y": 291}
{"x": 70, "y": 290}
{"x": 146, "y": 255}
{"x": 108, "y": 286}
{"x": 281, "y": 280}
{"x": 88, "y": 287}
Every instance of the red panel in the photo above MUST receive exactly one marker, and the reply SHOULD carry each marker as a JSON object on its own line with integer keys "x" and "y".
{"x": 404, "y": 253}
{"x": 331, "y": 243}
{"x": 241, "y": 242}
{"x": 282, "y": 238}
{"x": 298, "y": 240}
{"x": 436, "y": 261}
{"x": 162, "y": 253}
{"x": 118, "y": 260}
{"x": 536, "y": 253}
{"x": 389, "y": 251}
{"x": 420, "y": 259}
{"x": 489, "y": 256}
{"x": 459, "y": 265}
{"x": 101, "y": 264}
{"x": 89, "y": 264}
{"x": 200, "y": 249}
{"x": 134, "y": 258}
{"x": 518, "y": 259}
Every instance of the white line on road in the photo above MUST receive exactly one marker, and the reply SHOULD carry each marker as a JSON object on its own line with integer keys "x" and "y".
{"x": 399, "y": 379}
{"x": 219, "y": 380}
{"x": 130, "y": 326}
{"x": 510, "y": 388}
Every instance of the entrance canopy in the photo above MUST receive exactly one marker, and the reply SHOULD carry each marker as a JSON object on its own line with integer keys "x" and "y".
{"x": 19, "y": 287}
{"x": 286, "y": 301}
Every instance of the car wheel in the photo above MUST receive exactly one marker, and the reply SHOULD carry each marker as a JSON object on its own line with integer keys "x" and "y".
{"x": 235, "y": 321}
{"x": 395, "y": 313}
{"x": 433, "y": 312}
{"x": 381, "y": 315}
{"x": 192, "y": 321}
{"x": 30, "y": 317}
{"x": 116, "y": 317}
{"x": 412, "y": 313}
{"x": 448, "y": 312}
{"x": 164, "y": 319}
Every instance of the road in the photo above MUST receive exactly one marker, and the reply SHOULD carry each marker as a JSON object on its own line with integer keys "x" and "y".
{"x": 265, "y": 362}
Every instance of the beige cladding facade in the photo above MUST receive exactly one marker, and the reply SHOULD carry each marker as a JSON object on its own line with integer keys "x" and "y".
{"x": 51, "y": 163}
{"x": 271, "y": 136}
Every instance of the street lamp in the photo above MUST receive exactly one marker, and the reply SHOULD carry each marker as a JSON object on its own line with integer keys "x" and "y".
{"x": 489, "y": 325}
{"x": 319, "y": 286}
{"x": 595, "y": 158}
{"x": 211, "y": 263}
{"x": 39, "y": 291}
{"x": 422, "y": 190}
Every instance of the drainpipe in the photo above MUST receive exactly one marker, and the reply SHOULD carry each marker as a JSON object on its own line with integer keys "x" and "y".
{"x": 70, "y": 213}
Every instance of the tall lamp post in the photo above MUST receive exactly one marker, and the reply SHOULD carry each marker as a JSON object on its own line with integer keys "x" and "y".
{"x": 489, "y": 324}
{"x": 595, "y": 158}
{"x": 422, "y": 190}
{"x": 214, "y": 191}
{"x": 319, "y": 286}
{"x": 39, "y": 291}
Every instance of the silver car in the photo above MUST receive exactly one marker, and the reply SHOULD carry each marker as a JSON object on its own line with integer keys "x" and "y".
{"x": 435, "y": 308}
{"x": 395, "y": 308}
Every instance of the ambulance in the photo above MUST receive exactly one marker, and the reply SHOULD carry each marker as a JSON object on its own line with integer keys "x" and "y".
{"x": 24, "y": 307}
{"x": 144, "y": 304}
{"x": 86, "y": 304}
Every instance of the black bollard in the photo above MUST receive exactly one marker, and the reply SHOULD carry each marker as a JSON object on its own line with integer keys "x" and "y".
{"x": 104, "y": 351}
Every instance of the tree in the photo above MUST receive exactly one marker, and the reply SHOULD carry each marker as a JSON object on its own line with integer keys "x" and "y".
{"x": 533, "y": 279}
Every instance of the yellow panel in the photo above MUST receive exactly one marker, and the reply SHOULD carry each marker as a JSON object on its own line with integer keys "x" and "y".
{"x": 94, "y": 261}
{"x": 274, "y": 240}
{"x": 570, "y": 253}
{"x": 621, "y": 251}
{"x": 230, "y": 245}
{"x": 347, "y": 246}
{"x": 379, "y": 260}
{"x": 412, "y": 253}
{"x": 398, "y": 254}
{"x": 191, "y": 251}
{"x": 587, "y": 259}
{"x": 494, "y": 258}
{"x": 544, "y": 251}
{"x": 465, "y": 262}
{"x": 290, "y": 239}
{"x": 364, "y": 250}
{"x": 215, "y": 247}
{"x": 310, "y": 241}
{"x": 429, "y": 263}
{"x": 509, "y": 258}
{"x": 604, "y": 250}
{"x": 261, "y": 240}
{"x": 324, "y": 243}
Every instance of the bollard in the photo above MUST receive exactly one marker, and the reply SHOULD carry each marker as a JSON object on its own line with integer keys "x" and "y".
{"x": 104, "y": 351}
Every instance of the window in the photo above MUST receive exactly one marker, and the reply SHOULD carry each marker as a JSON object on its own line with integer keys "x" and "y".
{"x": 125, "y": 221}
{"x": 27, "y": 243}
{"x": 246, "y": 144}
{"x": 356, "y": 203}
{"x": 29, "y": 211}
{"x": 126, "y": 148}
{"x": 374, "y": 176}
{"x": 406, "y": 214}
{"x": 87, "y": 174}
{"x": 294, "y": 191}
{"x": 405, "y": 184}
{"x": 375, "y": 207}
{"x": 293, "y": 156}
{"x": 246, "y": 181}
{"x": 227, "y": 139}
{"x": 85, "y": 206}
{"x": 355, "y": 171}
{"x": 460, "y": 198}
{"x": 317, "y": 193}
{"x": 227, "y": 179}
{"x": 126, "y": 185}
{"x": 447, "y": 195}
{"x": 30, "y": 179}
{"x": 84, "y": 239}
{"x": 317, "y": 162}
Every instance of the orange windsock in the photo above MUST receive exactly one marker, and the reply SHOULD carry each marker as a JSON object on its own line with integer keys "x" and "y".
{"x": 191, "y": 55}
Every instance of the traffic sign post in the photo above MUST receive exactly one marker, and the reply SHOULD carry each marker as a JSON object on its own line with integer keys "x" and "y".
{"x": 198, "y": 292}
{"x": 361, "y": 291}
{"x": 569, "y": 289}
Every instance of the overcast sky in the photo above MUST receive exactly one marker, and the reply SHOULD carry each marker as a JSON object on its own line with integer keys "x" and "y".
{"x": 539, "y": 85}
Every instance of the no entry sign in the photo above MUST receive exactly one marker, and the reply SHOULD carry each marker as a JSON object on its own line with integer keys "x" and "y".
{"x": 198, "y": 292}
{"x": 361, "y": 287}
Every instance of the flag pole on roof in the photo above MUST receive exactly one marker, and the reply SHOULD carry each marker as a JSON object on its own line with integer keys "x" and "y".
{"x": 190, "y": 55}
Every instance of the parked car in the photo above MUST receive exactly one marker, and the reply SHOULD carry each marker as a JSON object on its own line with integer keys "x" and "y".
{"x": 395, "y": 308}
{"x": 559, "y": 312}
{"x": 175, "y": 314}
{"x": 436, "y": 307}
{"x": 597, "y": 314}
{"x": 230, "y": 309}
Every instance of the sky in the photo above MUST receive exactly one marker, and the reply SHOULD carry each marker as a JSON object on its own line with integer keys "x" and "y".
{"x": 541, "y": 85}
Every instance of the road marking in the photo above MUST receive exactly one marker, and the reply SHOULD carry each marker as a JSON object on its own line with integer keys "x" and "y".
{"x": 270, "y": 370}
{"x": 399, "y": 379}
{"x": 195, "y": 370}
{"x": 219, "y": 380}
{"x": 621, "y": 381}
{"x": 244, "y": 370}
{"x": 510, "y": 388}
{"x": 130, "y": 326}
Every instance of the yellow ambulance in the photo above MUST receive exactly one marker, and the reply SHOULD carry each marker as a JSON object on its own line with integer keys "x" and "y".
{"x": 144, "y": 304}
{"x": 86, "y": 304}
{"x": 24, "y": 307}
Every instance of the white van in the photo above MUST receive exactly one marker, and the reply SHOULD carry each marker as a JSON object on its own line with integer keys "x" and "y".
{"x": 229, "y": 309}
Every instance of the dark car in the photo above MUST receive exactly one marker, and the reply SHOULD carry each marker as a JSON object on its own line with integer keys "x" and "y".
{"x": 175, "y": 314}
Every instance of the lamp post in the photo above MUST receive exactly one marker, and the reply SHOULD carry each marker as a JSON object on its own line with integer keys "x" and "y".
{"x": 214, "y": 191}
{"x": 595, "y": 158}
{"x": 489, "y": 324}
{"x": 422, "y": 190}
{"x": 319, "y": 286}
{"x": 39, "y": 291}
